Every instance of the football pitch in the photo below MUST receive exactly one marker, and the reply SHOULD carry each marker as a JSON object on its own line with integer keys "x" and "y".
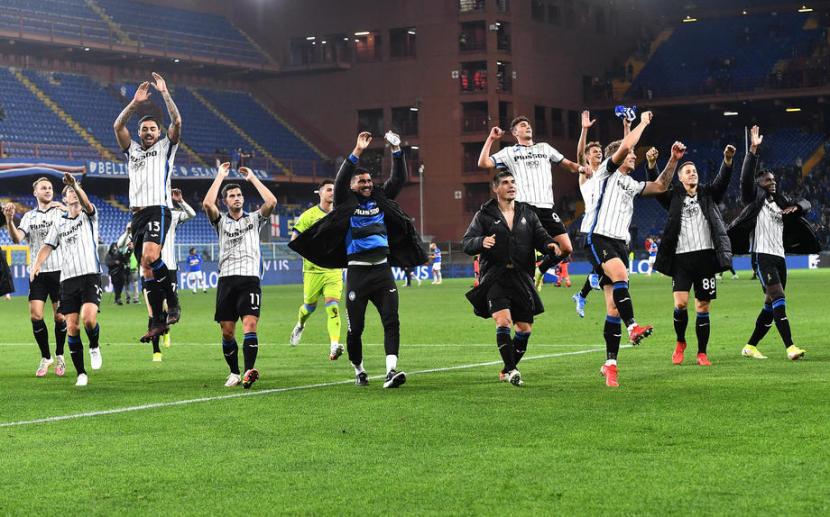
{"x": 741, "y": 437}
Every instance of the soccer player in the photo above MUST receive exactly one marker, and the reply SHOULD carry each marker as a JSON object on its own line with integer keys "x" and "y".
{"x": 77, "y": 233}
{"x": 530, "y": 164}
{"x": 34, "y": 227}
{"x": 319, "y": 281}
{"x": 652, "y": 254}
{"x": 367, "y": 232}
{"x": 149, "y": 164}
{"x": 238, "y": 295}
{"x": 194, "y": 271}
{"x": 505, "y": 233}
{"x": 693, "y": 248}
{"x": 435, "y": 255}
{"x": 180, "y": 214}
{"x": 608, "y": 223}
{"x": 770, "y": 225}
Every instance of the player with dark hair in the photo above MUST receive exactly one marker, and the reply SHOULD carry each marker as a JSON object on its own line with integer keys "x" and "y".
{"x": 770, "y": 226}
{"x": 34, "y": 227}
{"x": 530, "y": 164}
{"x": 609, "y": 221}
{"x": 368, "y": 233}
{"x": 150, "y": 166}
{"x": 505, "y": 233}
{"x": 319, "y": 281}
{"x": 195, "y": 275}
{"x": 77, "y": 234}
{"x": 693, "y": 248}
{"x": 238, "y": 294}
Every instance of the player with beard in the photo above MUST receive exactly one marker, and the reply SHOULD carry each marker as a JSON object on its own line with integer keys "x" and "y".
{"x": 150, "y": 166}
{"x": 34, "y": 227}
{"x": 771, "y": 225}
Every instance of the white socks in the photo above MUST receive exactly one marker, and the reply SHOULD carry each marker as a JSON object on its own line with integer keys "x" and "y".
{"x": 358, "y": 368}
{"x": 391, "y": 362}
{"x": 611, "y": 362}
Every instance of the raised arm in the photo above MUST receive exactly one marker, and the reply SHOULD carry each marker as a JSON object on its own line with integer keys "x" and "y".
{"x": 343, "y": 180}
{"x": 209, "y": 203}
{"x": 721, "y": 182}
{"x": 484, "y": 160}
{"x": 187, "y": 210}
{"x": 583, "y": 137}
{"x": 83, "y": 199}
{"x": 123, "y": 239}
{"x": 748, "y": 188}
{"x": 393, "y": 186}
{"x": 651, "y": 164}
{"x": 630, "y": 140}
{"x": 175, "y": 129}
{"x": 661, "y": 184}
{"x": 14, "y": 232}
{"x": 268, "y": 197}
{"x": 122, "y": 134}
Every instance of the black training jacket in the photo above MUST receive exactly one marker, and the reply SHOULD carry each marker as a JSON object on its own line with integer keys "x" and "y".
{"x": 514, "y": 250}
{"x": 324, "y": 243}
{"x": 799, "y": 235}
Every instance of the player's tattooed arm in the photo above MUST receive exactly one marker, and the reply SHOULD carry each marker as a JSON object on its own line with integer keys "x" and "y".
{"x": 484, "y": 160}
{"x": 122, "y": 134}
{"x": 175, "y": 129}
{"x": 663, "y": 181}
{"x": 14, "y": 232}
{"x": 209, "y": 203}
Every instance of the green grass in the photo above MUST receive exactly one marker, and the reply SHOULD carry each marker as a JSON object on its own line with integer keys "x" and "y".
{"x": 741, "y": 437}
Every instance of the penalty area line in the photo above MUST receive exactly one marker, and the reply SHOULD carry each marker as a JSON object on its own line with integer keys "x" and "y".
{"x": 272, "y": 391}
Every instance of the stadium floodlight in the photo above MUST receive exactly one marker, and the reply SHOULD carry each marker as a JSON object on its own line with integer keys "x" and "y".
{"x": 730, "y": 113}
{"x": 87, "y": 49}
{"x": 689, "y": 19}
{"x": 310, "y": 38}
{"x": 362, "y": 33}
{"x": 176, "y": 60}
{"x": 805, "y": 9}
{"x": 413, "y": 108}
{"x": 792, "y": 110}
{"x": 411, "y": 31}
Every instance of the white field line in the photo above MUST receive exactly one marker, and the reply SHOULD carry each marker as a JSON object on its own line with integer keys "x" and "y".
{"x": 272, "y": 391}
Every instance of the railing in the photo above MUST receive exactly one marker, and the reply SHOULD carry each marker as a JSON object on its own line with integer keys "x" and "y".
{"x": 471, "y": 6}
{"x": 52, "y": 151}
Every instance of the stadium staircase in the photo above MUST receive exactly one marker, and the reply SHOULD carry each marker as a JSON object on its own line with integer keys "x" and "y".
{"x": 71, "y": 122}
{"x": 289, "y": 127}
{"x": 253, "y": 143}
{"x": 117, "y": 204}
{"x": 123, "y": 37}
{"x": 256, "y": 45}
{"x": 816, "y": 158}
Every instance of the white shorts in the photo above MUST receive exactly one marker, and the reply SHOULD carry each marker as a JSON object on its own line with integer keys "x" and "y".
{"x": 651, "y": 259}
{"x": 436, "y": 266}
{"x": 194, "y": 276}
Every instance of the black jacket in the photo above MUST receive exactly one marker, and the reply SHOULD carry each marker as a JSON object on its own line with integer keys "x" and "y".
{"x": 799, "y": 235}
{"x": 115, "y": 262}
{"x": 6, "y": 279}
{"x": 708, "y": 196}
{"x": 324, "y": 243}
{"x": 512, "y": 254}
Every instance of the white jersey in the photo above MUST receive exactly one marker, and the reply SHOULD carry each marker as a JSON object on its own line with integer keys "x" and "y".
{"x": 150, "y": 171}
{"x": 530, "y": 166}
{"x": 168, "y": 252}
{"x": 768, "y": 236}
{"x": 239, "y": 253}
{"x": 78, "y": 238}
{"x": 695, "y": 234}
{"x": 35, "y": 225}
{"x": 615, "y": 193}
{"x": 589, "y": 197}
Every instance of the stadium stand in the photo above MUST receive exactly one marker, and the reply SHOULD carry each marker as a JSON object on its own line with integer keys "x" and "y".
{"x": 69, "y": 18}
{"x": 725, "y": 55}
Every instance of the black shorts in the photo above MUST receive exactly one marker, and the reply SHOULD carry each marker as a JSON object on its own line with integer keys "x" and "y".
{"x": 173, "y": 276}
{"x": 550, "y": 220}
{"x": 771, "y": 269}
{"x": 46, "y": 285}
{"x": 696, "y": 269}
{"x": 149, "y": 225}
{"x": 80, "y": 290}
{"x": 602, "y": 249}
{"x": 505, "y": 294}
{"x": 237, "y": 296}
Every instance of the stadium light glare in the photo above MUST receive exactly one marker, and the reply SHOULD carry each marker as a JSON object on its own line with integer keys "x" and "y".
{"x": 414, "y": 147}
{"x": 411, "y": 31}
{"x": 792, "y": 110}
{"x": 689, "y": 19}
{"x": 805, "y": 9}
{"x": 310, "y": 38}
{"x": 362, "y": 33}
{"x": 730, "y": 113}
{"x": 413, "y": 108}
{"x": 87, "y": 49}
{"x": 176, "y": 60}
